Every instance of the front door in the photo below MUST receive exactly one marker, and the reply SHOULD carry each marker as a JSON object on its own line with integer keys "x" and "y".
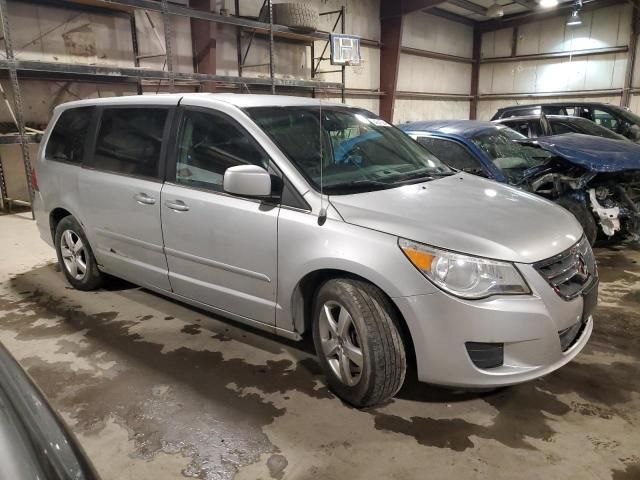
{"x": 120, "y": 193}
{"x": 221, "y": 249}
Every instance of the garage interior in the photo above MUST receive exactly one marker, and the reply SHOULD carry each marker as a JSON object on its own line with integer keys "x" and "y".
{"x": 156, "y": 389}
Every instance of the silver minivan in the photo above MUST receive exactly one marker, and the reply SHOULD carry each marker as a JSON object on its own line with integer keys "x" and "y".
{"x": 302, "y": 217}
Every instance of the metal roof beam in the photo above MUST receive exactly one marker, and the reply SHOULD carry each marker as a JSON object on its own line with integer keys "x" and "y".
{"x": 467, "y": 5}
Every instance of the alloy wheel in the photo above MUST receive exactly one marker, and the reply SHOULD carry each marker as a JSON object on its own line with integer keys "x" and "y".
{"x": 73, "y": 254}
{"x": 340, "y": 343}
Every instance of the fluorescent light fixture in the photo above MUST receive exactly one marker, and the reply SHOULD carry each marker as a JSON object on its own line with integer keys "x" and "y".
{"x": 495, "y": 11}
{"x": 548, "y": 3}
{"x": 574, "y": 19}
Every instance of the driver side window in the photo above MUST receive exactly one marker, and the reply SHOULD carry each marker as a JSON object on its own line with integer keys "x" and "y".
{"x": 208, "y": 144}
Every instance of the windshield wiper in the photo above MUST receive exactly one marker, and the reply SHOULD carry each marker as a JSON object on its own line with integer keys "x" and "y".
{"x": 426, "y": 176}
{"x": 356, "y": 185}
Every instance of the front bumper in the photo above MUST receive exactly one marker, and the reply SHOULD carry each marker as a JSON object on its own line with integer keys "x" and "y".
{"x": 528, "y": 326}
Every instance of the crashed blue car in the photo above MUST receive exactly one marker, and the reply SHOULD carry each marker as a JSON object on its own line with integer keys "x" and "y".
{"x": 596, "y": 179}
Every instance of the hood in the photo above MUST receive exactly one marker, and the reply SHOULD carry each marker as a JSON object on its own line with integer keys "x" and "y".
{"x": 596, "y": 154}
{"x": 466, "y": 214}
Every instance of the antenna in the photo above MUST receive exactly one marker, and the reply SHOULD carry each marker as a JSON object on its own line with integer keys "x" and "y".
{"x": 322, "y": 216}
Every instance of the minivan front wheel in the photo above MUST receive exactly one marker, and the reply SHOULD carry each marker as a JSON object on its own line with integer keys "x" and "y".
{"x": 75, "y": 256}
{"x": 357, "y": 338}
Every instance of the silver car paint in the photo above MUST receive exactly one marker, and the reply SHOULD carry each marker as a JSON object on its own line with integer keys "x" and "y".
{"x": 423, "y": 213}
{"x": 121, "y": 222}
{"x": 222, "y": 251}
{"x": 226, "y": 271}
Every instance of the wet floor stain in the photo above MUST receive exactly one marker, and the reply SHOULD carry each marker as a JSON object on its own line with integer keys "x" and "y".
{"x": 630, "y": 472}
{"x": 197, "y": 416}
{"x": 192, "y": 329}
{"x": 214, "y": 409}
{"x": 276, "y": 465}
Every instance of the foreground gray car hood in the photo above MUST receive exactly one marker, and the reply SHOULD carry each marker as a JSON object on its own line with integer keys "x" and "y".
{"x": 466, "y": 214}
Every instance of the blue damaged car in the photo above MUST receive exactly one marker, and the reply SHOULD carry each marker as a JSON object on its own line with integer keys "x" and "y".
{"x": 596, "y": 179}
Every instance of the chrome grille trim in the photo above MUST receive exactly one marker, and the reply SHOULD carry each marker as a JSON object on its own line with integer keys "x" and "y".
{"x": 570, "y": 272}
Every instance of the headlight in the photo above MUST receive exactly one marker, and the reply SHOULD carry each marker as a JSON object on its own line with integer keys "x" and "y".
{"x": 462, "y": 275}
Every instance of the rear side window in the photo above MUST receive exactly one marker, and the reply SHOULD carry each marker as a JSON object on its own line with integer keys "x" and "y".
{"x": 66, "y": 143}
{"x": 130, "y": 140}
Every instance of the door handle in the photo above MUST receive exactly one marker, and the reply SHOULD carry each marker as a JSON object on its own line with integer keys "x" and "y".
{"x": 177, "y": 205}
{"x": 144, "y": 199}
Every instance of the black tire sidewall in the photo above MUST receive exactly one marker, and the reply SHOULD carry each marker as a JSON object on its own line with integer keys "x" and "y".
{"x": 93, "y": 277}
{"x": 336, "y": 291}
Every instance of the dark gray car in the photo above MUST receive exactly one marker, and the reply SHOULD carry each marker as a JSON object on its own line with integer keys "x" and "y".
{"x": 534, "y": 126}
{"x": 613, "y": 117}
{"x": 34, "y": 441}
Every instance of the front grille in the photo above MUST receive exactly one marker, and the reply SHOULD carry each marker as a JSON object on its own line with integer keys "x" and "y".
{"x": 486, "y": 355}
{"x": 570, "y": 272}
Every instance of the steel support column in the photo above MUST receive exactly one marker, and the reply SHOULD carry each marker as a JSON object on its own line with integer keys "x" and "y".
{"x": 475, "y": 73}
{"x": 625, "y": 100}
{"x": 203, "y": 39}
{"x": 17, "y": 96}
{"x": 391, "y": 21}
{"x": 166, "y": 20}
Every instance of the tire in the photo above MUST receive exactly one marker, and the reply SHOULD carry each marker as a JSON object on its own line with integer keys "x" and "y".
{"x": 372, "y": 327}
{"x": 583, "y": 215}
{"x": 70, "y": 253}
{"x": 295, "y": 15}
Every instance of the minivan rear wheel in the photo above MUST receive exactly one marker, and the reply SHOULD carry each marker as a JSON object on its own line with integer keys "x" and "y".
{"x": 357, "y": 338}
{"x": 75, "y": 255}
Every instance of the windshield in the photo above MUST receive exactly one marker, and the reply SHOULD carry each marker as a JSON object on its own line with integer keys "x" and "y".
{"x": 513, "y": 159}
{"x": 590, "y": 128}
{"x": 349, "y": 150}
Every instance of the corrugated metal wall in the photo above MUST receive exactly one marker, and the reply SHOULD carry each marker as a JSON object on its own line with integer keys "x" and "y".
{"x": 434, "y": 76}
{"x": 579, "y": 77}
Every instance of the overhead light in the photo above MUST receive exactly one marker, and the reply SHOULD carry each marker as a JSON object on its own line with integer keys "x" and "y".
{"x": 548, "y": 3}
{"x": 574, "y": 19}
{"x": 495, "y": 11}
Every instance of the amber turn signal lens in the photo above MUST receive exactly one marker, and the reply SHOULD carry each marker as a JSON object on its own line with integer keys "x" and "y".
{"x": 422, "y": 260}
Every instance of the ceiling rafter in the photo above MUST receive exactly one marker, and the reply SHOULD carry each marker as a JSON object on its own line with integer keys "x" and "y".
{"x": 470, "y": 6}
{"x": 410, "y": 6}
{"x": 438, "y": 12}
{"x": 539, "y": 14}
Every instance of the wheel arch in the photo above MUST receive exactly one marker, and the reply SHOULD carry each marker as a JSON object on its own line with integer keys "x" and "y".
{"x": 55, "y": 216}
{"x": 302, "y": 302}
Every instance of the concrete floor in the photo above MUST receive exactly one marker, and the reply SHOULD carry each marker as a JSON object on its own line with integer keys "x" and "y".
{"x": 155, "y": 389}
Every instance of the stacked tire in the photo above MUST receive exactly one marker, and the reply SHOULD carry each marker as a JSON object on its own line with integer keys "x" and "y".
{"x": 294, "y": 15}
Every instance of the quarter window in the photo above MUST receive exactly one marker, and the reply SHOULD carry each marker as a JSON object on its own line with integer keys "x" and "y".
{"x": 130, "y": 141}
{"x": 208, "y": 144}
{"x": 66, "y": 142}
{"x": 451, "y": 153}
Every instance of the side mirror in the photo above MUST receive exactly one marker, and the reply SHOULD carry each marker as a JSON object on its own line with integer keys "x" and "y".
{"x": 247, "y": 181}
